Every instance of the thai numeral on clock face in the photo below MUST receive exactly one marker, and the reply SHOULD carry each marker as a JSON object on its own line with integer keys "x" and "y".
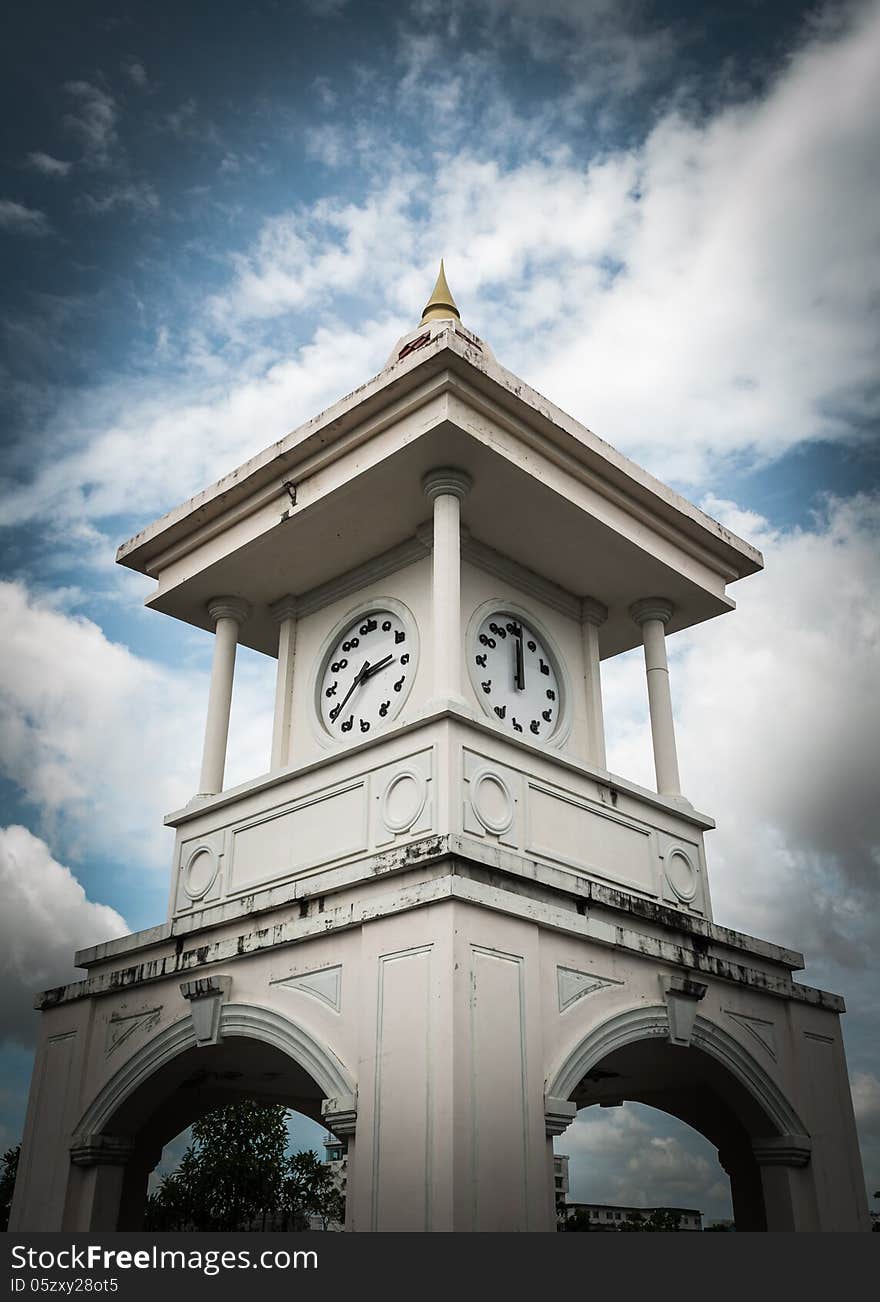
{"x": 515, "y": 676}
{"x": 366, "y": 675}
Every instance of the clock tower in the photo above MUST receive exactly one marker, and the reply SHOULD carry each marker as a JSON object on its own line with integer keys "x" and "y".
{"x": 436, "y": 920}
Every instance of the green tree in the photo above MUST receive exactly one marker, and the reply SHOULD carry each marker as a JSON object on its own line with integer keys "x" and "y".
{"x": 577, "y": 1222}
{"x": 310, "y": 1190}
{"x": 7, "y": 1183}
{"x": 235, "y": 1175}
{"x": 660, "y": 1220}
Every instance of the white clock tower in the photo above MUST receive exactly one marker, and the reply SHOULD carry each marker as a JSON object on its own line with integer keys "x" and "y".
{"x": 437, "y": 921}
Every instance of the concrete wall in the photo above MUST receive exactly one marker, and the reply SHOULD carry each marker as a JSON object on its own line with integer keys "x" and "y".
{"x": 452, "y": 1021}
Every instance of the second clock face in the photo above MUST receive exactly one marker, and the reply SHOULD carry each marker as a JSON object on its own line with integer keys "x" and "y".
{"x": 367, "y": 675}
{"x": 515, "y": 676}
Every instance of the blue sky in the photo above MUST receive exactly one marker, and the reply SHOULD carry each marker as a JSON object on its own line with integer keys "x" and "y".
{"x": 664, "y": 216}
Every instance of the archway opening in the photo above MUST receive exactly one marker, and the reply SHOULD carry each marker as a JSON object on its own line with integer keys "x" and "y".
{"x": 249, "y": 1164}
{"x": 633, "y": 1166}
{"x": 694, "y": 1087}
{"x": 197, "y": 1082}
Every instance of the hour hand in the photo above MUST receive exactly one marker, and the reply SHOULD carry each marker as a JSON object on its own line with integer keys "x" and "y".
{"x": 369, "y": 670}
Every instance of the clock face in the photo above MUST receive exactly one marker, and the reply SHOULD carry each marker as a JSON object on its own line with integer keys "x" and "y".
{"x": 515, "y": 676}
{"x": 367, "y": 675}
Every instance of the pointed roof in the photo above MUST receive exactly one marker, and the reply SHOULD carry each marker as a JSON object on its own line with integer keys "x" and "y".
{"x": 441, "y": 304}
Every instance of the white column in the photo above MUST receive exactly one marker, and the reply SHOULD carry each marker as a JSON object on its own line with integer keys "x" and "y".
{"x": 653, "y": 614}
{"x": 284, "y": 612}
{"x": 593, "y": 616}
{"x": 788, "y": 1182}
{"x": 97, "y": 1175}
{"x": 228, "y": 613}
{"x": 446, "y": 487}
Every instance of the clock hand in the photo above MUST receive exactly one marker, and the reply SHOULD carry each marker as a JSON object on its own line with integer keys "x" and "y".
{"x": 374, "y": 669}
{"x": 356, "y": 681}
{"x": 519, "y": 667}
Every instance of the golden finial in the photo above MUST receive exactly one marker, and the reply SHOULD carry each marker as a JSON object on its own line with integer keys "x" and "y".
{"x": 441, "y": 303}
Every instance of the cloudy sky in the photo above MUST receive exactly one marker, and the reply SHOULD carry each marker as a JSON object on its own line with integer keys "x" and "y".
{"x": 216, "y": 220}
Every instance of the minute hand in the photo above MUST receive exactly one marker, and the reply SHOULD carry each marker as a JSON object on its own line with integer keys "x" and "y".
{"x": 519, "y": 673}
{"x": 356, "y": 682}
{"x": 374, "y": 669}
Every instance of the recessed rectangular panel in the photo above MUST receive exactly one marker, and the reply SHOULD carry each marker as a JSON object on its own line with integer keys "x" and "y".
{"x": 569, "y": 831}
{"x": 318, "y": 831}
{"x": 402, "y": 1105}
{"x": 46, "y": 1175}
{"x": 500, "y": 1116}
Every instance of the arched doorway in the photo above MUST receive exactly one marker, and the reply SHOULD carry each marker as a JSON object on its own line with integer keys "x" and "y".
{"x": 715, "y": 1086}
{"x": 171, "y": 1082}
{"x": 632, "y": 1166}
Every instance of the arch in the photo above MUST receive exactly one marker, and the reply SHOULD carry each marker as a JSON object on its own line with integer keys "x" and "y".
{"x": 644, "y": 1023}
{"x": 247, "y": 1021}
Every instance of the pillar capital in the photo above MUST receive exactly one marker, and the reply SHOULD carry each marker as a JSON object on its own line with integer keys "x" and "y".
{"x": 593, "y": 611}
{"x": 558, "y": 1115}
{"x": 100, "y": 1150}
{"x": 446, "y": 480}
{"x": 340, "y": 1115}
{"x": 652, "y": 608}
{"x": 229, "y": 608}
{"x": 286, "y": 607}
{"x": 783, "y": 1150}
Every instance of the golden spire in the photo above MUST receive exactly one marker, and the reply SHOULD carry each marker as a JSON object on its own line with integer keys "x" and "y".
{"x": 441, "y": 304}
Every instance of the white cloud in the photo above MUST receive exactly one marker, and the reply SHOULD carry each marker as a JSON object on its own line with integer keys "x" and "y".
{"x": 782, "y": 694}
{"x": 778, "y": 728}
{"x": 48, "y": 165}
{"x": 161, "y": 446}
{"x": 46, "y": 917}
{"x": 327, "y": 144}
{"x": 866, "y": 1102}
{"x": 93, "y": 122}
{"x": 139, "y": 196}
{"x": 635, "y": 1156}
{"x": 779, "y": 734}
{"x": 136, "y": 72}
{"x": 186, "y": 122}
{"x": 103, "y": 742}
{"x": 612, "y": 46}
{"x": 705, "y": 295}
{"x": 20, "y": 220}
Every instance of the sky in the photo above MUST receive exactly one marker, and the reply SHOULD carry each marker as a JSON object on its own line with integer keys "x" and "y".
{"x": 216, "y": 220}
